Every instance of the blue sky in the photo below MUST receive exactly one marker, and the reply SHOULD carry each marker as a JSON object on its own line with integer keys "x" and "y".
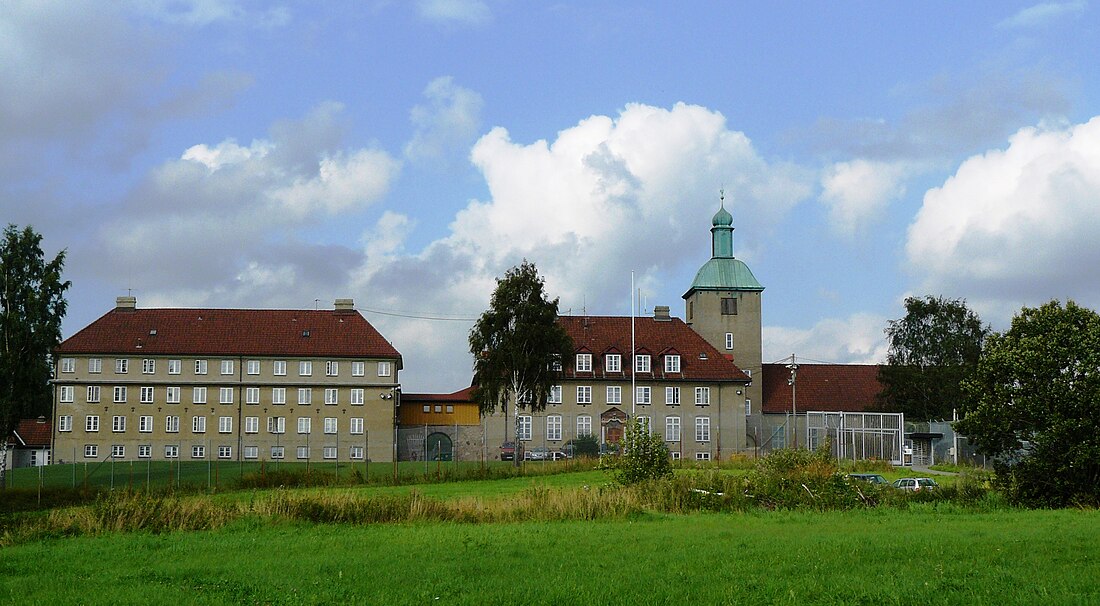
{"x": 242, "y": 154}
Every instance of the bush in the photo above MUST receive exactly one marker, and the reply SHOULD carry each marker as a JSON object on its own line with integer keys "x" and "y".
{"x": 644, "y": 456}
{"x": 584, "y": 445}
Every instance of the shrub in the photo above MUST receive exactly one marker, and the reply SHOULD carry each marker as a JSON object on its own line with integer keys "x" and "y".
{"x": 644, "y": 456}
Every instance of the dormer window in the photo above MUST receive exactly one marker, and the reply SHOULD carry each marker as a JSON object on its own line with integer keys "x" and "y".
{"x": 613, "y": 363}
{"x": 584, "y": 362}
{"x": 672, "y": 363}
{"x": 641, "y": 363}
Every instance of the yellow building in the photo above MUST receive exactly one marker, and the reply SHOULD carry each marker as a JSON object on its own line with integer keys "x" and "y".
{"x": 229, "y": 384}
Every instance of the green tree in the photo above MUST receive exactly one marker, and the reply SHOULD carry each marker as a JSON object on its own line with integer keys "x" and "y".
{"x": 518, "y": 345}
{"x": 32, "y": 305}
{"x": 932, "y": 349}
{"x": 644, "y": 456}
{"x": 1034, "y": 405}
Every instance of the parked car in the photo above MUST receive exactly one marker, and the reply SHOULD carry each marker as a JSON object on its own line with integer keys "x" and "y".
{"x": 508, "y": 451}
{"x": 871, "y": 478}
{"x": 915, "y": 484}
{"x": 560, "y": 455}
{"x": 538, "y": 453}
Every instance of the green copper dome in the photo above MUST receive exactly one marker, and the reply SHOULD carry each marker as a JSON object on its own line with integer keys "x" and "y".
{"x": 724, "y": 273}
{"x": 722, "y": 218}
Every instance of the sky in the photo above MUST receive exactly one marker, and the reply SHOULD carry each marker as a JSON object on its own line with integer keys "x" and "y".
{"x": 224, "y": 153}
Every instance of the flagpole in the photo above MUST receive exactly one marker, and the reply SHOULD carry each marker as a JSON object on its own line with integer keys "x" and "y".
{"x": 633, "y": 352}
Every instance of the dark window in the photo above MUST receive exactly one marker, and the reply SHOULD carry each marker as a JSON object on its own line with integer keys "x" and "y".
{"x": 729, "y": 307}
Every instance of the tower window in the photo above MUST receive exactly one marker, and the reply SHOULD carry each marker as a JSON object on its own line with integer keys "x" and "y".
{"x": 729, "y": 307}
{"x": 729, "y": 340}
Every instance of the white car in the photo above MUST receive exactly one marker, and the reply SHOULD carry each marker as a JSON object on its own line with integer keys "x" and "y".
{"x": 916, "y": 484}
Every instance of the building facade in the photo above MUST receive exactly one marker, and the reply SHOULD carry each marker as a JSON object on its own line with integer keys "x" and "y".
{"x": 226, "y": 384}
{"x": 440, "y": 427}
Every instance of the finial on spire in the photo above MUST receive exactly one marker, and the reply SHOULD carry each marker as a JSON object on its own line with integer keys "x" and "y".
{"x": 722, "y": 197}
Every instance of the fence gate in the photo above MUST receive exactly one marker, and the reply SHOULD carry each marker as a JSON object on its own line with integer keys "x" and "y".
{"x": 858, "y": 435}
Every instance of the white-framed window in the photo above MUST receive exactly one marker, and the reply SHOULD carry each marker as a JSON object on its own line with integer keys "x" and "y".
{"x": 200, "y": 367}
{"x": 328, "y": 452}
{"x": 67, "y": 393}
{"x": 305, "y": 396}
{"x": 331, "y": 425}
{"x": 613, "y": 363}
{"x": 122, "y": 366}
{"x": 251, "y": 395}
{"x": 359, "y": 369}
{"x": 332, "y": 396}
{"x": 278, "y": 395}
{"x": 646, "y": 423}
{"x": 225, "y": 395}
{"x": 356, "y": 453}
{"x": 145, "y": 423}
{"x": 225, "y": 424}
{"x": 332, "y": 368}
{"x": 584, "y": 362}
{"x": 729, "y": 340}
{"x": 439, "y": 408}
{"x": 276, "y": 452}
{"x": 524, "y": 429}
{"x": 68, "y": 365}
{"x": 145, "y": 451}
{"x": 118, "y": 451}
{"x": 643, "y": 395}
{"x": 702, "y": 429}
{"x": 555, "y": 363}
{"x": 252, "y": 424}
{"x": 384, "y": 369}
{"x": 148, "y": 366}
{"x": 278, "y": 368}
{"x": 171, "y": 424}
{"x": 146, "y": 395}
{"x": 171, "y": 451}
{"x": 95, "y": 365}
{"x": 93, "y": 394}
{"x": 355, "y": 426}
{"x": 65, "y": 423}
{"x": 584, "y": 425}
{"x": 553, "y": 427}
{"x": 198, "y": 451}
{"x": 276, "y": 424}
{"x": 672, "y": 396}
{"x": 252, "y": 367}
{"x": 305, "y": 368}
{"x": 614, "y": 394}
{"x": 225, "y": 452}
{"x": 641, "y": 363}
{"x": 172, "y": 395}
{"x": 118, "y": 423}
{"x": 702, "y": 456}
{"x": 427, "y": 408}
{"x": 584, "y": 394}
{"x": 120, "y": 394}
{"x": 675, "y": 454}
{"x": 672, "y": 429}
{"x": 91, "y": 423}
{"x": 251, "y": 452}
{"x": 227, "y": 367}
{"x": 748, "y": 407}
{"x": 303, "y": 452}
{"x": 702, "y": 396}
{"x": 672, "y": 363}
{"x": 305, "y": 424}
{"x": 357, "y": 396}
{"x": 554, "y": 397}
{"x": 198, "y": 395}
{"x": 91, "y": 451}
{"x": 198, "y": 424}
{"x": 175, "y": 367}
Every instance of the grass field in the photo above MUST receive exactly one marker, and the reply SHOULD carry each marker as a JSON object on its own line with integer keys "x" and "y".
{"x": 920, "y": 555}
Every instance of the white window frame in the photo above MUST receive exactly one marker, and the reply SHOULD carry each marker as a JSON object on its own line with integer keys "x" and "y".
{"x": 553, "y": 428}
{"x": 93, "y": 394}
{"x": 225, "y": 452}
{"x": 175, "y": 367}
{"x": 355, "y": 453}
{"x": 147, "y": 395}
{"x": 642, "y": 363}
{"x": 171, "y": 451}
{"x": 198, "y": 395}
{"x": 328, "y": 453}
{"x": 332, "y": 425}
{"x": 118, "y": 424}
{"x": 118, "y": 451}
{"x": 278, "y": 452}
{"x": 91, "y": 423}
{"x": 65, "y": 423}
{"x": 251, "y": 452}
{"x": 252, "y": 424}
{"x": 305, "y": 425}
{"x": 584, "y": 425}
{"x": 702, "y": 429}
{"x": 172, "y": 424}
{"x": 729, "y": 340}
{"x": 355, "y": 426}
{"x": 702, "y": 456}
{"x": 145, "y": 424}
{"x": 276, "y": 425}
{"x": 672, "y": 363}
{"x": 225, "y": 395}
{"x": 332, "y": 396}
{"x": 523, "y": 428}
{"x": 225, "y": 424}
{"x": 584, "y": 394}
{"x": 145, "y": 451}
{"x": 278, "y": 396}
{"x": 95, "y": 366}
{"x": 251, "y": 395}
{"x": 198, "y": 424}
{"x": 583, "y": 363}
{"x": 672, "y": 396}
{"x": 357, "y": 396}
{"x": 67, "y": 393}
{"x": 554, "y": 397}
{"x": 643, "y": 395}
{"x": 122, "y": 366}
{"x": 332, "y": 368}
{"x": 614, "y": 394}
{"x": 302, "y": 452}
{"x": 305, "y": 396}
{"x": 646, "y": 422}
{"x": 278, "y": 368}
{"x": 201, "y": 367}
{"x": 613, "y": 363}
{"x": 148, "y": 366}
{"x": 252, "y": 367}
{"x": 748, "y": 407}
{"x": 172, "y": 395}
{"x": 384, "y": 369}
{"x": 68, "y": 365}
{"x": 91, "y": 451}
{"x": 120, "y": 394}
{"x": 227, "y": 367}
{"x": 359, "y": 369}
{"x": 702, "y": 396}
{"x": 672, "y": 429}
{"x": 198, "y": 451}
{"x": 305, "y": 368}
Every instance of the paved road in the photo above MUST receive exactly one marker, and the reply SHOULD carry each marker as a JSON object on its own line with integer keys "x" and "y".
{"x": 932, "y": 472}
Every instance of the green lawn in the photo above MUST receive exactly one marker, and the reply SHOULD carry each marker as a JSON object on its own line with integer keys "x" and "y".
{"x": 920, "y": 555}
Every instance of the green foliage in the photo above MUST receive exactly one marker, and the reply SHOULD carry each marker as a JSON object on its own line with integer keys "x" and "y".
{"x": 1034, "y": 405}
{"x": 585, "y": 445}
{"x": 932, "y": 349}
{"x": 517, "y": 342}
{"x": 644, "y": 456}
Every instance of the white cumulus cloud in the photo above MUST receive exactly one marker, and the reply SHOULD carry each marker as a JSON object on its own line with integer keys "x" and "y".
{"x": 858, "y": 192}
{"x": 857, "y": 339}
{"x": 448, "y": 121}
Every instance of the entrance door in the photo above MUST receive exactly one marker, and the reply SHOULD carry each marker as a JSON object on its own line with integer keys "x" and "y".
{"x": 614, "y": 432}
{"x": 438, "y": 447}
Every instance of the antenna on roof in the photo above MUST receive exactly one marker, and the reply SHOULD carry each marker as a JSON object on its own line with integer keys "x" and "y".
{"x": 316, "y": 304}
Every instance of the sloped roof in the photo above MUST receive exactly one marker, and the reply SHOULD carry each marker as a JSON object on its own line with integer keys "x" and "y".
{"x": 604, "y": 333}
{"x": 231, "y": 332}
{"x": 821, "y": 387}
{"x": 32, "y": 433}
{"x": 724, "y": 273}
{"x": 460, "y": 396}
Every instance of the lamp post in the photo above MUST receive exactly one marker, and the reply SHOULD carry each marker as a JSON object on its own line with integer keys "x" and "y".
{"x": 793, "y": 367}
{"x": 395, "y": 395}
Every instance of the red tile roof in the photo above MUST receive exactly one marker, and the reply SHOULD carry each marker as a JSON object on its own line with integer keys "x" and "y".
{"x": 699, "y": 360}
{"x": 462, "y": 396}
{"x": 821, "y": 387}
{"x": 31, "y": 432}
{"x": 231, "y": 332}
